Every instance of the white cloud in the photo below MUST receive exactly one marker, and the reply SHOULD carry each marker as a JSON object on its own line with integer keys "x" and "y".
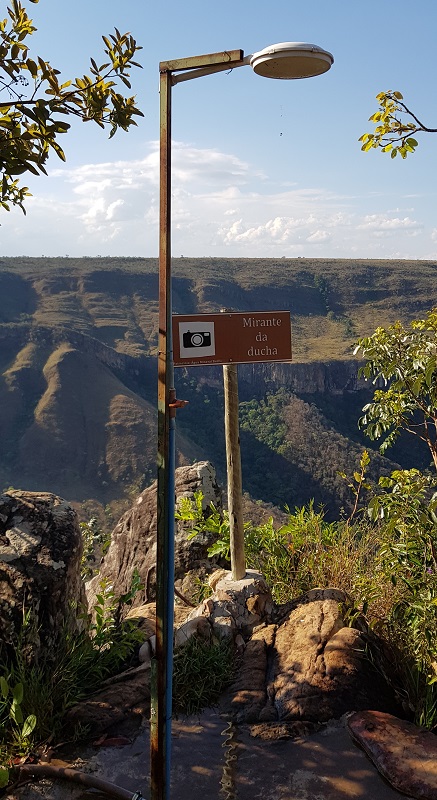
{"x": 319, "y": 237}
{"x": 378, "y": 223}
{"x": 279, "y": 229}
{"x": 221, "y": 205}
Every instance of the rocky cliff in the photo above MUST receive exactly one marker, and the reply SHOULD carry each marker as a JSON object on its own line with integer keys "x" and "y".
{"x": 78, "y": 369}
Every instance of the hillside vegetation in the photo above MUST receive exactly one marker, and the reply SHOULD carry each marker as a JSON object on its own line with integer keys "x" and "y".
{"x": 116, "y": 299}
{"x": 78, "y": 342}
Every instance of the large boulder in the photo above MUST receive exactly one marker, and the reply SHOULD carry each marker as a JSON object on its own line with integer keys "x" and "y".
{"x": 311, "y": 668}
{"x": 40, "y": 559}
{"x": 133, "y": 540}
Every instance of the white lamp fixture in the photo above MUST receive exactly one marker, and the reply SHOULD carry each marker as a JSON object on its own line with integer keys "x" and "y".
{"x": 291, "y": 60}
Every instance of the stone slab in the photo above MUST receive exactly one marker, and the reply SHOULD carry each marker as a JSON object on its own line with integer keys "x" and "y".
{"x": 403, "y": 753}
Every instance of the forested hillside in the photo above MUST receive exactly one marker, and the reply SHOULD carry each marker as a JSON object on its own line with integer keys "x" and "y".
{"x": 78, "y": 374}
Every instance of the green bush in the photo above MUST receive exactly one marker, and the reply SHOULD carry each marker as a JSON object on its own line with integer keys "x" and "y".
{"x": 407, "y": 559}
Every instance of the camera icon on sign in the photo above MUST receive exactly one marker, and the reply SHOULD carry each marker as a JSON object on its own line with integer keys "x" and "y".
{"x": 196, "y": 339}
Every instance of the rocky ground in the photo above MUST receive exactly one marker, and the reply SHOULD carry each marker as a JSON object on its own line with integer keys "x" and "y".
{"x": 304, "y": 693}
{"x": 211, "y": 758}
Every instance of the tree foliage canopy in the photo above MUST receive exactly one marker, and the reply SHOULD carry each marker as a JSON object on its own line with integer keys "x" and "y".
{"x": 396, "y": 127}
{"x": 34, "y": 103}
{"x": 404, "y": 360}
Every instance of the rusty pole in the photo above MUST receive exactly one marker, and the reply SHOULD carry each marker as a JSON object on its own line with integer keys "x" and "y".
{"x": 160, "y": 712}
{"x": 161, "y": 678}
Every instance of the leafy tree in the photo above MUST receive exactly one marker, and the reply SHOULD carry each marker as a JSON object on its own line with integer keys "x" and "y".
{"x": 34, "y": 103}
{"x": 404, "y": 360}
{"x": 396, "y": 126}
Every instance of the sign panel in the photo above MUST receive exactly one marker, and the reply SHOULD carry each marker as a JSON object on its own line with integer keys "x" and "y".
{"x": 231, "y": 338}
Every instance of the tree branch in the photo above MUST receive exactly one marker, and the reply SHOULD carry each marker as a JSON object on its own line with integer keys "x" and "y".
{"x": 422, "y": 127}
{"x": 83, "y": 778}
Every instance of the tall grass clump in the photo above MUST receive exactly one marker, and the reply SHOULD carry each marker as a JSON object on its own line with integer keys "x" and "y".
{"x": 304, "y": 553}
{"x": 201, "y": 671}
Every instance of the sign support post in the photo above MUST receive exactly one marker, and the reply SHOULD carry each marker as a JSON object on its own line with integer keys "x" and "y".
{"x": 233, "y": 464}
{"x": 232, "y": 338}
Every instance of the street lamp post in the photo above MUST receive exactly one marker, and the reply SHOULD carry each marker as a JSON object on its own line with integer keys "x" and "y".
{"x": 287, "y": 60}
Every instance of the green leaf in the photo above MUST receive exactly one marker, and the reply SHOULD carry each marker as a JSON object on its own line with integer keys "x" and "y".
{"x": 4, "y": 772}
{"x": 32, "y": 67}
{"x": 429, "y": 372}
{"x": 17, "y": 693}
{"x": 4, "y": 687}
{"x": 15, "y": 713}
{"x": 28, "y": 726}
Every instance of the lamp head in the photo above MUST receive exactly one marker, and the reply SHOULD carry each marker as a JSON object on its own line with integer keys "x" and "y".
{"x": 288, "y": 60}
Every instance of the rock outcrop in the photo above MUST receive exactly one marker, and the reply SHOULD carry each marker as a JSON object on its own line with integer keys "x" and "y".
{"x": 231, "y": 612}
{"x": 133, "y": 540}
{"x": 292, "y": 677}
{"x": 311, "y": 667}
{"x": 40, "y": 556}
{"x": 236, "y": 607}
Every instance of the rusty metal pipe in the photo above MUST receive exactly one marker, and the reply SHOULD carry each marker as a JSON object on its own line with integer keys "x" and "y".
{"x": 199, "y": 73}
{"x": 161, "y": 674}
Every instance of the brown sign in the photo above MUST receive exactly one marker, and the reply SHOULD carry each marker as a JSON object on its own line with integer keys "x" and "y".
{"x": 231, "y": 338}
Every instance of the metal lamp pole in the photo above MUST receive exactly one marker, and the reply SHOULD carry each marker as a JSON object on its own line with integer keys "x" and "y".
{"x": 286, "y": 60}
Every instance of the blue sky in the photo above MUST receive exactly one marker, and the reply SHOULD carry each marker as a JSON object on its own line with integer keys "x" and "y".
{"x": 262, "y": 168}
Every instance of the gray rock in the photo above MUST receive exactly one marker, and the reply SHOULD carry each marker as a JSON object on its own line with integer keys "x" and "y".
{"x": 133, "y": 540}
{"x": 123, "y": 700}
{"x": 236, "y": 607}
{"x": 40, "y": 557}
